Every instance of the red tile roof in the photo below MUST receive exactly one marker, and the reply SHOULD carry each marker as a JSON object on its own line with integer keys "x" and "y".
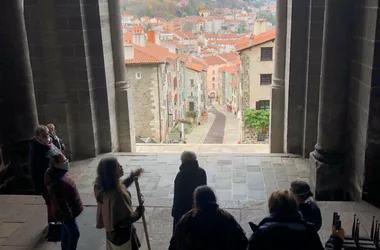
{"x": 213, "y": 60}
{"x": 194, "y": 66}
{"x": 229, "y": 56}
{"x": 229, "y": 69}
{"x": 259, "y": 39}
{"x": 150, "y": 54}
{"x": 172, "y": 56}
{"x": 234, "y": 83}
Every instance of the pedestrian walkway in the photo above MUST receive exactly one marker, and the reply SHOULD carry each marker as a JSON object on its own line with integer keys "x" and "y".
{"x": 199, "y": 133}
{"x": 216, "y": 133}
{"x": 242, "y": 183}
{"x": 202, "y": 148}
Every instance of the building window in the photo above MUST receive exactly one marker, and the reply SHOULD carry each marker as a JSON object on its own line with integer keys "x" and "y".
{"x": 213, "y": 72}
{"x": 191, "y": 94}
{"x": 213, "y": 86}
{"x": 265, "y": 79}
{"x": 138, "y": 75}
{"x": 213, "y": 79}
{"x": 267, "y": 54}
{"x": 191, "y": 106}
{"x": 191, "y": 82}
{"x": 262, "y": 105}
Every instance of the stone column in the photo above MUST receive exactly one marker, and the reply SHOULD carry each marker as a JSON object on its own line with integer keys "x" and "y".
{"x": 314, "y": 57}
{"x": 295, "y": 74}
{"x": 277, "y": 105}
{"x": 125, "y": 124}
{"x": 18, "y": 113}
{"x": 328, "y": 157}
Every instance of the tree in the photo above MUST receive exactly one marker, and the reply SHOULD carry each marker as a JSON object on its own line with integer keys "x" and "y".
{"x": 242, "y": 27}
{"x": 258, "y": 119}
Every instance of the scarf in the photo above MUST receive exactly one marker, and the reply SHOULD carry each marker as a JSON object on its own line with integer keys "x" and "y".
{"x": 113, "y": 206}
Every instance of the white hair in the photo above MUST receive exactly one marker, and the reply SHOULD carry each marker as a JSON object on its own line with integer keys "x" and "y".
{"x": 188, "y": 156}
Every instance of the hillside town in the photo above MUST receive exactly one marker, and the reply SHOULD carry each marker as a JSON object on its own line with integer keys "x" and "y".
{"x": 179, "y": 68}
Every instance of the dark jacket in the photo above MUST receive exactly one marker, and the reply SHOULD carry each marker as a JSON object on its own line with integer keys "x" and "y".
{"x": 190, "y": 177}
{"x": 64, "y": 194}
{"x": 288, "y": 233}
{"x": 215, "y": 229}
{"x": 39, "y": 160}
{"x": 311, "y": 213}
{"x": 57, "y": 141}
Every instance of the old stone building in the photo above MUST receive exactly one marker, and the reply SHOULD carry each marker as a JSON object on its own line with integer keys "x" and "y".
{"x": 63, "y": 62}
{"x": 148, "y": 67}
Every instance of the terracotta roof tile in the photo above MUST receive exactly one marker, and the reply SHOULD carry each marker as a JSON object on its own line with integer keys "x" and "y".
{"x": 259, "y": 39}
{"x": 172, "y": 56}
{"x": 234, "y": 83}
{"x": 213, "y": 60}
{"x": 194, "y": 66}
{"x": 229, "y": 56}
{"x": 151, "y": 53}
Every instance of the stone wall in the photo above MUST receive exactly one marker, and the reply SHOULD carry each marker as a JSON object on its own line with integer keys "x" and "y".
{"x": 250, "y": 136}
{"x": 363, "y": 127}
{"x": 71, "y": 57}
{"x": 145, "y": 94}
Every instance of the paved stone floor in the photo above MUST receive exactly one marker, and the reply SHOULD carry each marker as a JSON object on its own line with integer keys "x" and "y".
{"x": 242, "y": 183}
{"x": 202, "y": 148}
{"x": 216, "y": 133}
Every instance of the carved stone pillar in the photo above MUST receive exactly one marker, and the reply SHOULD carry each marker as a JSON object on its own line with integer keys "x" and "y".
{"x": 328, "y": 157}
{"x": 277, "y": 106}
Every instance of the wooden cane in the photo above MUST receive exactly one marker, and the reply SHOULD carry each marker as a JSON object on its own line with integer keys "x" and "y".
{"x": 139, "y": 197}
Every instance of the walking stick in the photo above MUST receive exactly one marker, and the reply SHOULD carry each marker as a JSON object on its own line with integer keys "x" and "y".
{"x": 139, "y": 197}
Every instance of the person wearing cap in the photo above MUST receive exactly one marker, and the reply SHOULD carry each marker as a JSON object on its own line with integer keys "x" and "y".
{"x": 66, "y": 202}
{"x": 306, "y": 204}
{"x": 285, "y": 228}
{"x": 190, "y": 176}
{"x": 207, "y": 227}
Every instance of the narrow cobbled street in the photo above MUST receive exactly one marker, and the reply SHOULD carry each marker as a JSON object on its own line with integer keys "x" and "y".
{"x": 216, "y": 133}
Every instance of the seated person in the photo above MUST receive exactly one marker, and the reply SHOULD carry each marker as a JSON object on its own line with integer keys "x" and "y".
{"x": 207, "y": 227}
{"x": 306, "y": 204}
{"x": 285, "y": 228}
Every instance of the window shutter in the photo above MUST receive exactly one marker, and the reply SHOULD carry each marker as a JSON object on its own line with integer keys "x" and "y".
{"x": 257, "y": 105}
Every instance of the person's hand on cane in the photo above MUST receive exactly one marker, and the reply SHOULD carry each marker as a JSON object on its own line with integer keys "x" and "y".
{"x": 137, "y": 172}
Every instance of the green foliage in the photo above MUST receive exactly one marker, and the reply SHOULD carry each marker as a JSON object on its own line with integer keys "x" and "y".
{"x": 258, "y": 119}
{"x": 242, "y": 27}
{"x": 268, "y": 16}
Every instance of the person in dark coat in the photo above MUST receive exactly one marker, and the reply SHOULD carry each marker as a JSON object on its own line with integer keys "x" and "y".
{"x": 207, "y": 227}
{"x": 286, "y": 229}
{"x": 306, "y": 204}
{"x": 190, "y": 176}
{"x": 67, "y": 204}
{"x": 40, "y": 151}
{"x": 54, "y": 137}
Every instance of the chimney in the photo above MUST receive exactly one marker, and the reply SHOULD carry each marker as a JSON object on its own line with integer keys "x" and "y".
{"x": 151, "y": 36}
{"x": 129, "y": 53}
{"x": 138, "y": 36}
{"x": 189, "y": 57}
{"x": 251, "y": 39}
{"x": 260, "y": 26}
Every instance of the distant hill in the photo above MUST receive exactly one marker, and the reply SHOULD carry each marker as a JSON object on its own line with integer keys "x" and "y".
{"x": 169, "y": 9}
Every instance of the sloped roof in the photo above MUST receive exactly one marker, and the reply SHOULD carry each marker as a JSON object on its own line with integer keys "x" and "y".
{"x": 213, "y": 60}
{"x": 259, "y": 39}
{"x": 172, "y": 56}
{"x": 194, "y": 66}
{"x": 229, "y": 56}
{"x": 150, "y": 54}
{"x": 229, "y": 69}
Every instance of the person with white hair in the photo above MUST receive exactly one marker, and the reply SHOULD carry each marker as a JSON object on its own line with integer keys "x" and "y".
{"x": 54, "y": 137}
{"x": 190, "y": 177}
{"x": 41, "y": 150}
